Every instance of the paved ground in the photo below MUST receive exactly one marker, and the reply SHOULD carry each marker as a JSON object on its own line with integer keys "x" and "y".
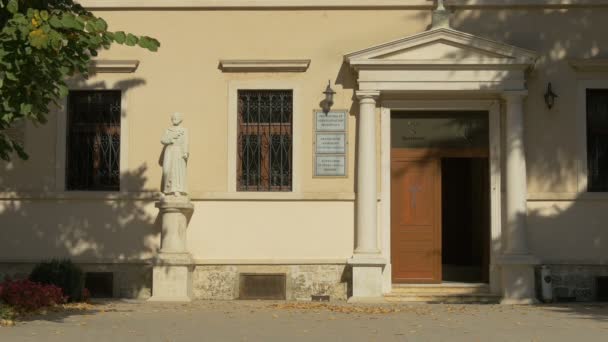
{"x": 280, "y": 321}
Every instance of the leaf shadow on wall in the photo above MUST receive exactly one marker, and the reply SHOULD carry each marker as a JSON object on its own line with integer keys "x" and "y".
{"x": 115, "y": 232}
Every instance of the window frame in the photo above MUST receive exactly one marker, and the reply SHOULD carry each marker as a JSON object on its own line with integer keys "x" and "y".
{"x": 233, "y": 144}
{"x": 583, "y": 174}
{"x": 587, "y": 136}
{"x": 97, "y": 126}
{"x": 61, "y": 148}
{"x": 269, "y": 129}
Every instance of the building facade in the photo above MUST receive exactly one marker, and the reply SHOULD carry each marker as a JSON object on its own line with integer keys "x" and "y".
{"x": 442, "y": 158}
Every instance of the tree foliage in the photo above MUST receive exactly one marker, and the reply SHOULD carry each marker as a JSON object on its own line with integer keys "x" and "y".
{"x": 42, "y": 44}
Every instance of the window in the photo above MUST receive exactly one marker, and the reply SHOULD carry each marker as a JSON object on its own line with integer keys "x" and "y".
{"x": 264, "y": 140}
{"x": 597, "y": 140}
{"x": 93, "y": 140}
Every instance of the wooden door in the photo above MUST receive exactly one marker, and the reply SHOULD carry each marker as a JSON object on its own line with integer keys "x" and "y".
{"x": 415, "y": 217}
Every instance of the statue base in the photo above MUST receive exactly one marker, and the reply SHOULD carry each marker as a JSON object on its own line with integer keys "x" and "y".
{"x": 172, "y": 278}
{"x": 173, "y": 268}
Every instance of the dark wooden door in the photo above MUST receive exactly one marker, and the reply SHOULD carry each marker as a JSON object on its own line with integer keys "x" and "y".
{"x": 415, "y": 216}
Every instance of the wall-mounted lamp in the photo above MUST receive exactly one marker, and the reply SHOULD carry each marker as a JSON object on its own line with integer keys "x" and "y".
{"x": 550, "y": 96}
{"x": 329, "y": 98}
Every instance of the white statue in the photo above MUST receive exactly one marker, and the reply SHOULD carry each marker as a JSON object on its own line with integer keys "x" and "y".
{"x": 440, "y": 5}
{"x": 175, "y": 158}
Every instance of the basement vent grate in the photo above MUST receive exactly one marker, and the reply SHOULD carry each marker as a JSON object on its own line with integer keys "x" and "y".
{"x": 319, "y": 298}
{"x": 262, "y": 286}
{"x": 100, "y": 284}
{"x": 601, "y": 284}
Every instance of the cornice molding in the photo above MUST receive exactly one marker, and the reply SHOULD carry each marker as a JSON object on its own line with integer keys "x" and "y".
{"x": 264, "y": 65}
{"x": 591, "y": 64}
{"x": 276, "y": 4}
{"x": 113, "y": 66}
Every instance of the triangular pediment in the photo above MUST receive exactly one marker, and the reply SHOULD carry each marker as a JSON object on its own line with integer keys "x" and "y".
{"x": 442, "y": 46}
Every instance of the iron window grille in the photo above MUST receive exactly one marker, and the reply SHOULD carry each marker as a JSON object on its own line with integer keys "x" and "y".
{"x": 597, "y": 140}
{"x": 93, "y": 140}
{"x": 265, "y": 140}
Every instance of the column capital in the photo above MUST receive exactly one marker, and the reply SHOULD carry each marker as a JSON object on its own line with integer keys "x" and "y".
{"x": 367, "y": 94}
{"x": 514, "y": 95}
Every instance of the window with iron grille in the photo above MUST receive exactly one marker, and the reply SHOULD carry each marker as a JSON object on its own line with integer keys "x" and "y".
{"x": 264, "y": 140}
{"x": 93, "y": 140}
{"x": 597, "y": 140}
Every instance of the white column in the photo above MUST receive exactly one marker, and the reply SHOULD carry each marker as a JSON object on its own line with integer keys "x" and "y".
{"x": 367, "y": 263}
{"x": 515, "y": 175}
{"x": 517, "y": 263}
{"x": 367, "y": 216}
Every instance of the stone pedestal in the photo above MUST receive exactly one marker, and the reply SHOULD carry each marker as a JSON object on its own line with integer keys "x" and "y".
{"x": 518, "y": 279}
{"x": 367, "y": 279}
{"x": 173, "y": 267}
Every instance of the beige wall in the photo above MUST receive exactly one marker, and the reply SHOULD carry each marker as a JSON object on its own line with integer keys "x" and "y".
{"x": 83, "y": 229}
{"x": 279, "y": 230}
{"x": 184, "y": 76}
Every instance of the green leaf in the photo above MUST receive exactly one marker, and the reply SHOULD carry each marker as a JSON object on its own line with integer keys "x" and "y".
{"x": 55, "y": 22}
{"x": 100, "y": 25}
{"x": 153, "y": 45}
{"x": 90, "y": 27}
{"x": 69, "y": 21}
{"x": 131, "y": 40}
{"x": 20, "y": 151}
{"x": 26, "y": 108}
{"x": 144, "y": 42}
{"x": 56, "y": 44}
{"x": 44, "y": 15}
{"x": 120, "y": 37}
{"x": 12, "y": 6}
{"x": 39, "y": 39}
{"x": 63, "y": 90}
{"x": 64, "y": 71}
{"x": 10, "y": 76}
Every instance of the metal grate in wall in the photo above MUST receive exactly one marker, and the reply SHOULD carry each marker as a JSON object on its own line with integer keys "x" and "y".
{"x": 601, "y": 285}
{"x": 262, "y": 286}
{"x": 265, "y": 140}
{"x": 100, "y": 284}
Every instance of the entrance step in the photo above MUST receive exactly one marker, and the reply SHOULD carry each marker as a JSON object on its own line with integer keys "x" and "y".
{"x": 442, "y": 293}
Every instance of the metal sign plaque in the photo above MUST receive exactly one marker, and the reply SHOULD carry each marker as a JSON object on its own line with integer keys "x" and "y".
{"x": 331, "y": 143}
{"x": 330, "y": 166}
{"x": 331, "y": 122}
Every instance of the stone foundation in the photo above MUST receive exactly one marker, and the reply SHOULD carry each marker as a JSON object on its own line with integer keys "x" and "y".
{"x": 574, "y": 282}
{"x": 303, "y": 281}
{"x": 132, "y": 281}
{"x": 216, "y": 282}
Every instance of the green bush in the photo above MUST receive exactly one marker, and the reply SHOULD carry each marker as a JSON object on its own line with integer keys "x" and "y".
{"x": 62, "y": 273}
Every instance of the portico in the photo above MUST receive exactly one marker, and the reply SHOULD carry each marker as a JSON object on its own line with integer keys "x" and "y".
{"x": 443, "y": 69}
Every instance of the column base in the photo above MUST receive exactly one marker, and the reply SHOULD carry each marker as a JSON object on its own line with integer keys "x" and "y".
{"x": 172, "y": 278}
{"x": 518, "y": 281}
{"x": 367, "y": 279}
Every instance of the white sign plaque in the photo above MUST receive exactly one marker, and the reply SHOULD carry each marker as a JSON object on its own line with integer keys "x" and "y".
{"x": 332, "y": 143}
{"x": 331, "y": 122}
{"x": 330, "y": 166}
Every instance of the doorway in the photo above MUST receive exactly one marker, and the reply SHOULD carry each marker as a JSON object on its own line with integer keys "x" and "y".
{"x": 440, "y": 197}
{"x": 465, "y": 221}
